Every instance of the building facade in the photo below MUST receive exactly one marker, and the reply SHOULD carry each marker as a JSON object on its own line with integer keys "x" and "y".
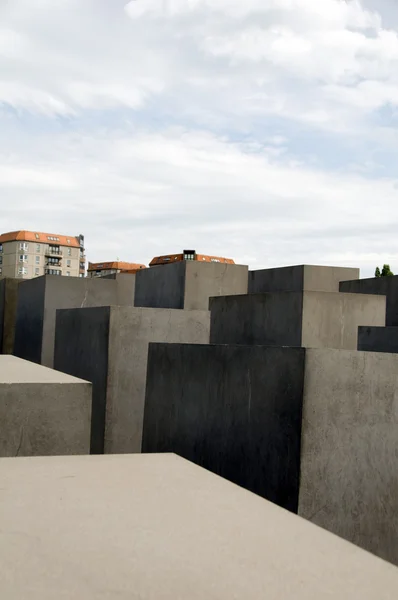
{"x": 27, "y": 254}
{"x": 109, "y": 268}
{"x": 188, "y": 255}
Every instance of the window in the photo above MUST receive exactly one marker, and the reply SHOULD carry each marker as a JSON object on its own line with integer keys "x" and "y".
{"x": 22, "y": 271}
{"x": 37, "y": 271}
{"x": 1, "y": 247}
{"x": 37, "y": 260}
{"x": 1, "y": 260}
{"x": 69, "y": 251}
{"x": 23, "y": 258}
{"x": 37, "y": 236}
{"x": 23, "y": 246}
{"x": 68, "y": 263}
{"x": 38, "y": 248}
{"x": 68, "y": 273}
{"x": 1, "y": 270}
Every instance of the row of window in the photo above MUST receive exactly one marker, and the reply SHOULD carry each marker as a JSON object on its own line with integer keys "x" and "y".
{"x": 25, "y": 246}
{"x": 54, "y": 261}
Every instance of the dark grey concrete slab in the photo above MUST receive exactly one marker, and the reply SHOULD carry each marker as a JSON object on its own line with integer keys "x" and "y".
{"x": 38, "y": 300}
{"x": 188, "y": 285}
{"x": 42, "y": 412}
{"x": 300, "y": 278}
{"x": 2, "y": 303}
{"x": 310, "y": 319}
{"x": 378, "y": 339}
{"x": 160, "y": 528}
{"x": 313, "y": 430}
{"x": 385, "y": 286}
{"x": 109, "y": 347}
{"x": 234, "y": 410}
{"x": 8, "y": 308}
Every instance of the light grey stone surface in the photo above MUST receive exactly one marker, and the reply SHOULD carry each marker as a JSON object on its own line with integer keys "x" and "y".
{"x": 349, "y": 451}
{"x": 159, "y": 528}
{"x": 42, "y": 412}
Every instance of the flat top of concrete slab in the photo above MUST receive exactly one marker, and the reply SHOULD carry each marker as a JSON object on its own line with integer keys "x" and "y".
{"x": 17, "y": 370}
{"x": 157, "y": 527}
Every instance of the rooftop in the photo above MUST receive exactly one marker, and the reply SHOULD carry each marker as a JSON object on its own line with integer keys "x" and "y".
{"x": 40, "y": 238}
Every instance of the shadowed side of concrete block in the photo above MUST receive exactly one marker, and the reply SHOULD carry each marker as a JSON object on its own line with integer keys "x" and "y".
{"x": 235, "y": 410}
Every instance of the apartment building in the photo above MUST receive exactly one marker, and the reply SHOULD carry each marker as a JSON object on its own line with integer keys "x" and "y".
{"x": 189, "y": 255}
{"x": 28, "y": 254}
{"x": 109, "y": 268}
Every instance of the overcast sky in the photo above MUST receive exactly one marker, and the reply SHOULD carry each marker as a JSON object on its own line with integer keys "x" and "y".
{"x": 261, "y": 130}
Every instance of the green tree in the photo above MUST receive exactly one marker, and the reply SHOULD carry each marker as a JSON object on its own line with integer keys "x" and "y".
{"x": 377, "y": 272}
{"x": 386, "y": 271}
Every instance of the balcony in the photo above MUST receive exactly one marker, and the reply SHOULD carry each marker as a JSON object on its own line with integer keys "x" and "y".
{"x": 53, "y": 271}
{"x": 53, "y": 251}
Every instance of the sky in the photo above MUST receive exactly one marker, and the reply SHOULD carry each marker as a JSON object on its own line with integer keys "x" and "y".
{"x": 260, "y": 130}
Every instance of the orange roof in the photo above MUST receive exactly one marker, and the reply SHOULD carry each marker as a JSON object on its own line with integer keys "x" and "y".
{"x": 122, "y": 266}
{"x": 41, "y": 238}
{"x": 169, "y": 258}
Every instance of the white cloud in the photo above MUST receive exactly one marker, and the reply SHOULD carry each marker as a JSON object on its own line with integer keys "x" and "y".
{"x": 207, "y": 123}
{"x": 143, "y": 194}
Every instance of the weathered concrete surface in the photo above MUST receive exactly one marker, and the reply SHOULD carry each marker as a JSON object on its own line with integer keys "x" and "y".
{"x": 126, "y": 284}
{"x": 185, "y": 534}
{"x": 349, "y": 451}
{"x": 378, "y": 339}
{"x": 299, "y": 278}
{"x": 42, "y": 412}
{"x": 188, "y": 284}
{"x": 109, "y": 346}
{"x": 310, "y": 319}
{"x": 385, "y": 286}
{"x": 2, "y": 303}
{"x": 8, "y": 312}
{"x": 235, "y": 410}
{"x": 38, "y": 300}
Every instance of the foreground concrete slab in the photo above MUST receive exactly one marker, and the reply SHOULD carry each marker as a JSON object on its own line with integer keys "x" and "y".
{"x": 313, "y": 430}
{"x": 309, "y": 319}
{"x": 109, "y": 347}
{"x": 8, "y": 311}
{"x": 300, "y": 278}
{"x": 385, "y": 286}
{"x": 42, "y": 412}
{"x": 38, "y": 300}
{"x": 184, "y": 534}
{"x": 188, "y": 284}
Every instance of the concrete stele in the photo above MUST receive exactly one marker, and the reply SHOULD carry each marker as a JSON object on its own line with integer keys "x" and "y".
{"x": 160, "y": 528}
{"x": 109, "y": 346}
{"x": 313, "y": 430}
{"x": 42, "y": 412}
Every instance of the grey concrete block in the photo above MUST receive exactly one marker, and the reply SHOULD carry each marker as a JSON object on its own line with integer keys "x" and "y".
{"x": 313, "y": 430}
{"x": 8, "y": 312}
{"x": 42, "y": 412}
{"x": 126, "y": 285}
{"x": 378, "y": 339}
{"x": 188, "y": 284}
{"x": 349, "y": 448}
{"x": 2, "y": 303}
{"x": 160, "y": 528}
{"x": 300, "y": 278}
{"x": 38, "y": 300}
{"x": 109, "y": 347}
{"x": 385, "y": 286}
{"x": 309, "y": 319}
